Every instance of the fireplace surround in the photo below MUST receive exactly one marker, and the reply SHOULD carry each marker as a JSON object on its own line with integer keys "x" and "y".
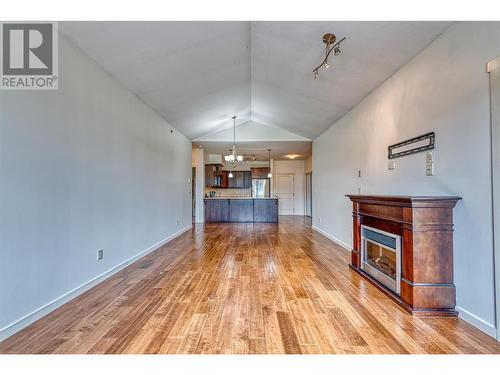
{"x": 404, "y": 246}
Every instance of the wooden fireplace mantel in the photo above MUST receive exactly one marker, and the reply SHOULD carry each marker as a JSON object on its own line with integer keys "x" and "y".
{"x": 425, "y": 224}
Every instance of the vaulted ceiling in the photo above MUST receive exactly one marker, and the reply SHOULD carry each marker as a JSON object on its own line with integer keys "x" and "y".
{"x": 198, "y": 74}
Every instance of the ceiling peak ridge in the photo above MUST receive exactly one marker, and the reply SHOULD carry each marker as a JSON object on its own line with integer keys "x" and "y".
{"x": 256, "y": 131}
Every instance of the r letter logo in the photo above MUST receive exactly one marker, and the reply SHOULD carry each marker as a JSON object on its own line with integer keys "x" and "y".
{"x": 29, "y": 57}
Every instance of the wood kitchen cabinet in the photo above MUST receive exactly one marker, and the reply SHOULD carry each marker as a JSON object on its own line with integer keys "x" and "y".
{"x": 260, "y": 172}
{"x": 216, "y": 210}
{"x": 240, "y": 210}
{"x": 224, "y": 183}
{"x": 212, "y": 175}
{"x": 240, "y": 180}
{"x": 247, "y": 180}
{"x": 263, "y": 210}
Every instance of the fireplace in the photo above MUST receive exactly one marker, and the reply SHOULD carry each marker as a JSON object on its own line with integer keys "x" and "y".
{"x": 404, "y": 246}
{"x": 381, "y": 256}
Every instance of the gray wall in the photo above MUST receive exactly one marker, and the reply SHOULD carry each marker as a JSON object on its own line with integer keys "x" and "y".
{"x": 444, "y": 89}
{"x": 86, "y": 167}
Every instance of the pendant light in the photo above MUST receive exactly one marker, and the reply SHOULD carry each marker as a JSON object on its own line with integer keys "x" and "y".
{"x": 233, "y": 158}
{"x": 269, "y": 175}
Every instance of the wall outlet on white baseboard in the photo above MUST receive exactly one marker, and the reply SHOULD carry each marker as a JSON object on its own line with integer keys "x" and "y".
{"x": 100, "y": 254}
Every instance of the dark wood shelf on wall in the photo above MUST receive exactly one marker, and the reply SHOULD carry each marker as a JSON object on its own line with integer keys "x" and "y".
{"x": 424, "y": 225}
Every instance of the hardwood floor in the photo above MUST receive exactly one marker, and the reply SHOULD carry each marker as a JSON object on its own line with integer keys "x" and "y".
{"x": 243, "y": 288}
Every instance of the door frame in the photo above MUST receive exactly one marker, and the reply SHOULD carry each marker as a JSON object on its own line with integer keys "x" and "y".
{"x": 194, "y": 173}
{"x": 495, "y": 183}
{"x": 293, "y": 183}
{"x": 310, "y": 200}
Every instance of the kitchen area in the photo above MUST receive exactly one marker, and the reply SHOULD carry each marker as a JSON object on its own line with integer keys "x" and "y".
{"x": 240, "y": 195}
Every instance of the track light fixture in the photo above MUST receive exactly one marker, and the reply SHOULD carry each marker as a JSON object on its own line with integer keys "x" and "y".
{"x": 329, "y": 40}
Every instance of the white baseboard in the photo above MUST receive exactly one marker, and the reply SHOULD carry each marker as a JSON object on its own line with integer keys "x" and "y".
{"x": 470, "y": 318}
{"x": 25, "y": 321}
{"x": 477, "y": 322}
{"x": 330, "y": 237}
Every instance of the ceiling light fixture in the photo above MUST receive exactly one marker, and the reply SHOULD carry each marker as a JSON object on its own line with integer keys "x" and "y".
{"x": 269, "y": 175}
{"x": 329, "y": 40}
{"x": 233, "y": 158}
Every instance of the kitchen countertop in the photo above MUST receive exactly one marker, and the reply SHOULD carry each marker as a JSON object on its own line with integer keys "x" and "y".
{"x": 238, "y": 198}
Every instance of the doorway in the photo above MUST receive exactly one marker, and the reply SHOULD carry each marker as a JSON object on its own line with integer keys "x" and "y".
{"x": 285, "y": 192}
{"x": 309, "y": 194}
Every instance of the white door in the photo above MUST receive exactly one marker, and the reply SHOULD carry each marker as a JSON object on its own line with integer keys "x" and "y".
{"x": 285, "y": 192}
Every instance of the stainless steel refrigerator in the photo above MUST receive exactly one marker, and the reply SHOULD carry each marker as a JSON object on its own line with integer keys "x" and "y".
{"x": 260, "y": 187}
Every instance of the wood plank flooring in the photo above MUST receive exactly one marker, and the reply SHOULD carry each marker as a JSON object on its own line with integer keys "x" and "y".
{"x": 243, "y": 288}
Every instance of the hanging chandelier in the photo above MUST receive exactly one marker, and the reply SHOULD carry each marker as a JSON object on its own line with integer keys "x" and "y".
{"x": 233, "y": 158}
{"x": 329, "y": 40}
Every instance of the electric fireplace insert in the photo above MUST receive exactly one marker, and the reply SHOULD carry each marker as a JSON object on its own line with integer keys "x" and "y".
{"x": 381, "y": 256}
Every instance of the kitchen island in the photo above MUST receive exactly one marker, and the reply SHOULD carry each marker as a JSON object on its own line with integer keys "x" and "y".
{"x": 241, "y": 210}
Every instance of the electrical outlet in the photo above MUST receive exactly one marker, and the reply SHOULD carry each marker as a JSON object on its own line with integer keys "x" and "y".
{"x": 319, "y": 220}
{"x": 429, "y": 169}
{"x": 100, "y": 254}
{"x": 359, "y": 173}
{"x": 177, "y": 222}
{"x": 391, "y": 165}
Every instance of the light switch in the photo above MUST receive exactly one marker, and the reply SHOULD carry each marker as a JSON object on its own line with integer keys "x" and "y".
{"x": 429, "y": 169}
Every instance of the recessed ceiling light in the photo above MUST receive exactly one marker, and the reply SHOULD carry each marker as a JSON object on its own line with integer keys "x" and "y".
{"x": 292, "y": 156}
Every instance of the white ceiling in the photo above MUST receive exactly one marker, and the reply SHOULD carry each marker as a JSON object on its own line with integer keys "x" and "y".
{"x": 279, "y": 149}
{"x": 199, "y": 74}
{"x": 252, "y": 131}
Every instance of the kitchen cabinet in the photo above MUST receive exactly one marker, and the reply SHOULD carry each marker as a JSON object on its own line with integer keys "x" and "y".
{"x": 240, "y": 210}
{"x": 212, "y": 175}
{"x": 247, "y": 180}
{"x": 265, "y": 210}
{"x": 260, "y": 172}
{"x": 224, "y": 183}
{"x": 216, "y": 210}
{"x": 240, "y": 180}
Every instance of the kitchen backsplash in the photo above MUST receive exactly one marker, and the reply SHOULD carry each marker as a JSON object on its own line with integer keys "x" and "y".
{"x": 230, "y": 192}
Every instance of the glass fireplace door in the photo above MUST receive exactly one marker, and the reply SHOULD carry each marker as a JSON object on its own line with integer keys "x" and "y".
{"x": 381, "y": 256}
